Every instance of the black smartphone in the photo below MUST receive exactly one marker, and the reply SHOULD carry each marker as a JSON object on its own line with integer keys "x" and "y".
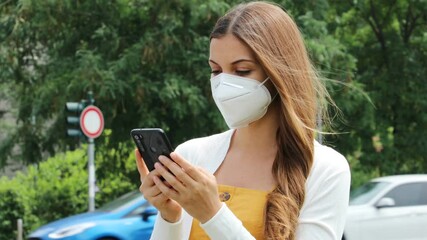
{"x": 151, "y": 143}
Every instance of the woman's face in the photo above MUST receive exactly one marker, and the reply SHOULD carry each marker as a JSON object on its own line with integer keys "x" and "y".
{"x": 230, "y": 55}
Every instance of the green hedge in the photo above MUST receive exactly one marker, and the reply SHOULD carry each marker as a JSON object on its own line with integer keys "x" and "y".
{"x": 57, "y": 188}
{"x": 11, "y": 209}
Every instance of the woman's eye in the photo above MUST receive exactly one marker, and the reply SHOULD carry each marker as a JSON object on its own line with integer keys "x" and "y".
{"x": 215, "y": 72}
{"x": 243, "y": 72}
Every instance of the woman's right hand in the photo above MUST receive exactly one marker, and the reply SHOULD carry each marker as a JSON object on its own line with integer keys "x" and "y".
{"x": 169, "y": 209}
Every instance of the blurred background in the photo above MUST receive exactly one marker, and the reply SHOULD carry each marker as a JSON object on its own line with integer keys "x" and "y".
{"x": 146, "y": 63}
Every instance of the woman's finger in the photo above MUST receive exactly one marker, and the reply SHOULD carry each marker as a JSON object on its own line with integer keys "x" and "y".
{"x": 177, "y": 171}
{"x": 160, "y": 198}
{"x": 142, "y": 168}
{"x": 168, "y": 192}
{"x": 189, "y": 169}
{"x": 171, "y": 180}
{"x": 149, "y": 192}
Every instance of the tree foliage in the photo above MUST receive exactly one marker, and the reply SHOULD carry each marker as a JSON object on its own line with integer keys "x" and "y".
{"x": 146, "y": 62}
{"x": 389, "y": 41}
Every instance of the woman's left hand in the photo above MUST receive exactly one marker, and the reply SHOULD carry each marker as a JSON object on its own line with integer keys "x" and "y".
{"x": 192, "y": 187}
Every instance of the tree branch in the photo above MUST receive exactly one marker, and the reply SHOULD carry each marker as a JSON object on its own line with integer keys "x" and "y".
{"x": 389, "y": 11}
{"x": 377, "y": 28}
{"x": 406, "y": 23}
{"x": 411, "y": 28}
{"x": 5, "y": 3}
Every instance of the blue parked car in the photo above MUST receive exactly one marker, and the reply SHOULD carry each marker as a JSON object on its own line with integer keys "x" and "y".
{"x": 128, "y": 217}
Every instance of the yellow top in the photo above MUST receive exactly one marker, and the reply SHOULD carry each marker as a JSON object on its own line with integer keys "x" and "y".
{"x": 247, "y": 204}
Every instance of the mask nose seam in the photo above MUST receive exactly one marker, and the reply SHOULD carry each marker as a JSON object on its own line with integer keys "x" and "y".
{"x": 232, "y": 85}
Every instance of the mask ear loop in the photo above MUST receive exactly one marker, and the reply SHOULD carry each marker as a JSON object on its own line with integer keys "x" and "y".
{"x": 275, "y": 95}
{"x": 265, "y": 80}
{"x": 275, "y": 88}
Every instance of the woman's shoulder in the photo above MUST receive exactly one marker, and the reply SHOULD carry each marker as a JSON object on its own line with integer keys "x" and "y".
{"x": 327, "y": 195}
{"x": 329, "y": 177}
{"x": 328, "y": 161}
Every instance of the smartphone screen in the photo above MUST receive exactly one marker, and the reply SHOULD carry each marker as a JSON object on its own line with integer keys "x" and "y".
{"x": 151, "y": 143}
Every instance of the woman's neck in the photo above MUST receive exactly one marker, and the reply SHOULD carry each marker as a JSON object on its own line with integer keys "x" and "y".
{"x": 260, "y": 134}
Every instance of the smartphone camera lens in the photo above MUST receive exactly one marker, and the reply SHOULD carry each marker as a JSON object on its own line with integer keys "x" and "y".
{"x": 141, "y": 148}
{"x": 153, "y": 149}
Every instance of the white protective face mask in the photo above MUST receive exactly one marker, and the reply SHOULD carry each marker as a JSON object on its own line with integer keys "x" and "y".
{"x": 240, "y": 100}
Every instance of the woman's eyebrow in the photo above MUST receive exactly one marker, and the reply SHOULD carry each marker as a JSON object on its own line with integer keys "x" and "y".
{"x": 242, "y": 60}
{"x": 235, "y": 62}
{"x": 212, "y": 61}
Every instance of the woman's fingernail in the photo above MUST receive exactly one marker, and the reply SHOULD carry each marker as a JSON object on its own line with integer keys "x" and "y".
{"x": 162, "y": 158}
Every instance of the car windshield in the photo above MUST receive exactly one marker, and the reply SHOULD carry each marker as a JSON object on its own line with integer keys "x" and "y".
{"x": 365, "y": 193}
{"x": 121, "y": 202}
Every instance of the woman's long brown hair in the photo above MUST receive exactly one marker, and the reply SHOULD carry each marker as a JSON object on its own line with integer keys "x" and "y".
{"x": 278, "y": 46}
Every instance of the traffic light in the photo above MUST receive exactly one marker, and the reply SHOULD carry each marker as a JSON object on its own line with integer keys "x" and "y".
{"x": 74, "y": 110}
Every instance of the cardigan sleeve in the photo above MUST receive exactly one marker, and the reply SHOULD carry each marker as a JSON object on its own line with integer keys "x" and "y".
{"x": 224, "y": 225}
{"x": 166, "y": 230}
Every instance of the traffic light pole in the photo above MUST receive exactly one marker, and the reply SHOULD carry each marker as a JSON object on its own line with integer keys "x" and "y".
{"x": 91, "y": 172}
{"x": 86, "y": 120}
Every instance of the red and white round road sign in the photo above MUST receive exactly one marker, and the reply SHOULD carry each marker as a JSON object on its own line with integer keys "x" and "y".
{"x": 92, "y": 121}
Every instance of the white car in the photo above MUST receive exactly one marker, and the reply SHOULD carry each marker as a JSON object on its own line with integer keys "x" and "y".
{"x": 387, "y": 208}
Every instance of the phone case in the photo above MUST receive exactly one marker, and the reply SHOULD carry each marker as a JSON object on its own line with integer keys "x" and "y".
{"x": 151, "y": 143}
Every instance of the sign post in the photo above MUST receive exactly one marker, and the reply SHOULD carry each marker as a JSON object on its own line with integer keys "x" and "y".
{"x": 91, "y": 171}
{"x": 92, "y": 124}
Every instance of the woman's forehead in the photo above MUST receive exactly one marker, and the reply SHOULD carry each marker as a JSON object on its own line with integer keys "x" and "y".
{"x": 229, "y": 49}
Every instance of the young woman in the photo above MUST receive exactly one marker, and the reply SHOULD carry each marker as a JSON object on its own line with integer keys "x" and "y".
{"x": 266, "y": 177}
